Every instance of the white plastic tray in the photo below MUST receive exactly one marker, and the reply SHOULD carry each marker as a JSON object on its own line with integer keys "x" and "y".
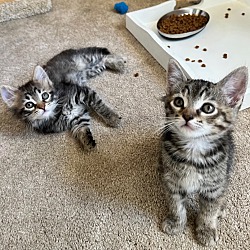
{"x": 221, "y": 36}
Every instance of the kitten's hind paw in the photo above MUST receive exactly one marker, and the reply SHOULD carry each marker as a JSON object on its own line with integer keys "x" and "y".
{"x": 172, "y": 227}
{"x": 207, "y": 236}
{"x": 115, "y": 62}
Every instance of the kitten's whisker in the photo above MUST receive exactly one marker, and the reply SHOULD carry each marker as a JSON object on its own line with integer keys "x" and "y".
{"x": 166, "y": 127}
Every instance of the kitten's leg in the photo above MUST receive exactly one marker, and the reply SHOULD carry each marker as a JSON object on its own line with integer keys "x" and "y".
{"x": 80, "y": 130}
{"x": 222, "y": 211}
{"x": 206, "y": 222}
{"x": 111, "y": 61}
{"x": 92, "y": 99}
{"x": 176, "y": 220}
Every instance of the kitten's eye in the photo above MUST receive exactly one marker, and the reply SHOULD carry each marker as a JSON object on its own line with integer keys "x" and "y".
{"x": 45, "y": 96}
{"x": 207, "y": 108}
{"x": 29, "y": 105}
{"x": 179, "y": 102}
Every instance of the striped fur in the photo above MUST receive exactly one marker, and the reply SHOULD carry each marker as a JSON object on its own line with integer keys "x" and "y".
{"x": 57, "y": 99}
{"x": 197, "y": 146}
{"x": 76, "y": 66}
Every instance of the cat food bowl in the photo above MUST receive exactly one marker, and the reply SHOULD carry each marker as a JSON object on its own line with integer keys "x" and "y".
{"x": 182, "y": 23}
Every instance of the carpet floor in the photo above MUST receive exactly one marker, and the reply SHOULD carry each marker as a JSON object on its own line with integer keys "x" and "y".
{"x": 55, "y": 196}
{"x": 15, "y": 9}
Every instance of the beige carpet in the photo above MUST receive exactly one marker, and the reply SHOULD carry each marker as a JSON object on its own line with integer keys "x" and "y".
{"x": 52, "y": 195}
{"x": 15, "y": 9}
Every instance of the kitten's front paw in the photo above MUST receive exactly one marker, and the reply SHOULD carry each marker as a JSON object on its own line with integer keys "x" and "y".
{"x": 86, "y": 140}
{"x": 114, "y": 121}
{"x": 172, "y": 227}
{"x": 207, "y": 236}
{"x": 89, "y": 146}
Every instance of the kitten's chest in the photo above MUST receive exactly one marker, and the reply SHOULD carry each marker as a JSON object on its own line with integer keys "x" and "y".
{"x": 190, "y": 180}
{"x": 71, "y": 111}
{"x": 196, "y": 149}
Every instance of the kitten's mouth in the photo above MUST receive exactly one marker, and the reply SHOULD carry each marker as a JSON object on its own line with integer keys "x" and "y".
{"x": 188, "y": 126}
{"x": 43, "y": 111}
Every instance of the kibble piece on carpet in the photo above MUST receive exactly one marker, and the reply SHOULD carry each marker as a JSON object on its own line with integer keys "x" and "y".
{"x": 14, "y": 9}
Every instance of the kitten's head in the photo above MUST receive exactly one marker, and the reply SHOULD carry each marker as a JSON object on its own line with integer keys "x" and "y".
{"x": 33, "y": 101}
{"x": 197, "y": 108}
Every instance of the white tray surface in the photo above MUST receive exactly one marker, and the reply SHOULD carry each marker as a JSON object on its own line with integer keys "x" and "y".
{"x": 222, "y": 35}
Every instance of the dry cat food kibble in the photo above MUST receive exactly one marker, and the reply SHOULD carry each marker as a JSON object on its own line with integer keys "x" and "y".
{"x": 199, "y": 61}
{"x": 175, "y": 24}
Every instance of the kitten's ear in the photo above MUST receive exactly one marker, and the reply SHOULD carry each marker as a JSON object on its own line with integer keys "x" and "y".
{"x": 234, "y": 86}
{"x": 175, "y": 74}
{"x": 9, "y": 94}
{"x": 40, "y": 75}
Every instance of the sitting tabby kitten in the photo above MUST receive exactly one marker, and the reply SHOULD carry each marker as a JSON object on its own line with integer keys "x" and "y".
{"x": 197, "y": 147}
{"x": 57, "y": 98}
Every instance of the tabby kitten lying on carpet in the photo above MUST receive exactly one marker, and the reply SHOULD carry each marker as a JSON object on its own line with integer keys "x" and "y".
{"x": 58, "y": 99}
{"x": 197, "y": 147}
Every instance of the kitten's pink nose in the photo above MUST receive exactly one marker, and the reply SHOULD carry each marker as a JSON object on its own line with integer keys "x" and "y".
{"x": 41, "y": 105}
